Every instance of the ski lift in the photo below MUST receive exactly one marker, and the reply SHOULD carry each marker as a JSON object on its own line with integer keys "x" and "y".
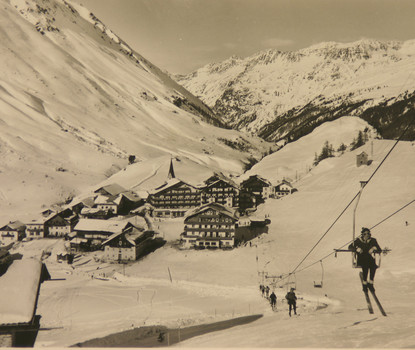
{"x": 354, "y": 254}
{"x": 376, "y": 255}
{"x": 291, "y": 284}
{"x": 320, "y": 285}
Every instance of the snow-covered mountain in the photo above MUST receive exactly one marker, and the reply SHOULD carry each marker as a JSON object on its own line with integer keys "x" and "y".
{"x": 76, "y": 101}
{"x": 287, "y": 94}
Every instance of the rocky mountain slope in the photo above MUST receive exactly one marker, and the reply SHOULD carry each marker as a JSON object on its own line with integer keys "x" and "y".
{"x": 285, "y": 95}
{"x": 76, "y": 101}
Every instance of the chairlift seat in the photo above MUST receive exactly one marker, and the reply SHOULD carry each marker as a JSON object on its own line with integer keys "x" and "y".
{"x": 318, "y": 285}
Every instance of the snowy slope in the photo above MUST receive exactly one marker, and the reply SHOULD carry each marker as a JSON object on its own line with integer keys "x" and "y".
{"x": 76, "y": 101}
{"x": 286, "y": 94}
{"x": 207, "y": 286}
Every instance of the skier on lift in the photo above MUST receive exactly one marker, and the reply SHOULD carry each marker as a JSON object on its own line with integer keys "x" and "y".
{"x": 365, "y": 246}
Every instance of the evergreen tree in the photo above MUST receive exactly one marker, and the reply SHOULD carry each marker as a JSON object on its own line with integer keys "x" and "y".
{"x": 360, "y": 141}
{"x": 342, "y": 148}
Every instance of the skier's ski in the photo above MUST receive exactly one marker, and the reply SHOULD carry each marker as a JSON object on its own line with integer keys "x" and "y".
{"x": 368, "y": 302}
{"x": 378, "y": 302}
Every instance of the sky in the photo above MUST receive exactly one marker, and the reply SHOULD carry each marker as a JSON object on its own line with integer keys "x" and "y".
{"x": 182, "y": 35}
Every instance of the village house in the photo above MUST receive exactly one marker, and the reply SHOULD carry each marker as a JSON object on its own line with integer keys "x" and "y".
{"x": 174, "y": 198}
{"x": 14, "y": 231}
{"x": 36, "y": 228}
{"x": 362, "y": 159}
{"x": 120, "y": 247}
{"x": 89, "y": 234}
{"x": 59, "y": 226}
{"x": 78, "y": 205}
{"x": 106, "y": 203}
{"x": 250, "y": 227}
{"x": 127, "y": 201}
{"x": 284, "y": 188}
{"x": 258, "y": 186}
{"x": 129, "y": 245}
{"x": 221, "y": 190}
{"x": 210, "y": 226}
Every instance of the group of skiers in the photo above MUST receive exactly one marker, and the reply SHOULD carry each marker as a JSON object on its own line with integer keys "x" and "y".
{"x": 290, "y": 297}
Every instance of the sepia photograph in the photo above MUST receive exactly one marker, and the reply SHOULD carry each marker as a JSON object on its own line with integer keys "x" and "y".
{"x": 207, "y": 174}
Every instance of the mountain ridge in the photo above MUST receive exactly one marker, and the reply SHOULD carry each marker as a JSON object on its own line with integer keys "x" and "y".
{"x": 272, "y": 88}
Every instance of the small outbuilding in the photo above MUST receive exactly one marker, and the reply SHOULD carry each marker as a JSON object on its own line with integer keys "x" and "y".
{"x": 362, "y": 159}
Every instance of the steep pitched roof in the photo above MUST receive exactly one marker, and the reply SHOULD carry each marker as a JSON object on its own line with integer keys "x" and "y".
{"x": 169, "y": 184}
{"x": 112, "y": 189}
{"x": 255, "y": 177}
{"x": 284, "y": 182}
{"x": 216, "y": 206}
{"x": 171, "y": 175}
{"x": 115, "y": 235}
{"x": 13, "y": 226}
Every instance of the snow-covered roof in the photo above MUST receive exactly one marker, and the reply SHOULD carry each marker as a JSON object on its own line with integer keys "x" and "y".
{"x": 14, "y": 225}
{"x": 143, "y": 194}
{"x": 132, "y": 196}
{"x": 78, "y": 240}
{"x": 113, "y": 189}
{"x": 102, "y": 199}
{"x": 284, "y": 182}
{"x": 143, "y": 209}
{"x": 100, "y": 225}
{"x": 18, "y": 291}
{"x": 252, "y": 177}
{"x": 85, "y": 211}
{"x": 115, "y": 235}
{"x": 229, "y": 182}
{"x": 216, "y": 206}
{"x": 168, "y": 184}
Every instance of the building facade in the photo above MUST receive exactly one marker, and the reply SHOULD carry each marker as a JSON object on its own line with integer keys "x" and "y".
{"x": 12, "y": 232}
{"x": 61, "y": 227}
{"x": 283, "y": 189}
{"x": 210, "y": 226}
{"x": 362, "y": 159}
{"x": 174, "y": 199}
{"x": 119, "y": 247}
{"x": 221, "y": 191}
{"x": 259, "y": 187}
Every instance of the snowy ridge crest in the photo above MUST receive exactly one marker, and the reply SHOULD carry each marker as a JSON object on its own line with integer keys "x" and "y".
{"x": 278, "y": 95}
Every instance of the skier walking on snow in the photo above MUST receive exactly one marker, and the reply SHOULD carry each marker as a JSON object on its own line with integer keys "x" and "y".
{"x": 365, "y": 246}
{"x": 292, "y": 301}
{"x": 273, "y": 300}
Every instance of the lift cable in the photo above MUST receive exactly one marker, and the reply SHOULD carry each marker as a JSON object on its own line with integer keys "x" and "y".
{"x": 357, "y": 194}
{"x": 346, "y": 244}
